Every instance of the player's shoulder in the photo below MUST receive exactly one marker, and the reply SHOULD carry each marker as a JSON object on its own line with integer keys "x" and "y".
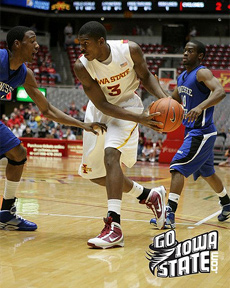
{"x": 135, "y": 49}
{"x": 134, "y": 45}
{"x": 79, "y": 62}
{"x": 3, "y": 54}
{"x": 203, "y": 72}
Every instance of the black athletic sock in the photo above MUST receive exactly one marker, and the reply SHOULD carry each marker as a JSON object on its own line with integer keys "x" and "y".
{"x": 7, "y": 203}
{"x": 172, "y": 205}
{"x": 116, "y": 217}
{"x": 144, "y": 195}
{"x": 224, "y": 200}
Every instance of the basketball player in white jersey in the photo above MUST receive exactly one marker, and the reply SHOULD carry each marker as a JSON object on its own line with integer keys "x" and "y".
{"x": 109, "y": 72}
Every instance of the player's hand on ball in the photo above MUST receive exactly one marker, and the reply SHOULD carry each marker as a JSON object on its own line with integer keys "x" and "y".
{"x": 148, "y": 120}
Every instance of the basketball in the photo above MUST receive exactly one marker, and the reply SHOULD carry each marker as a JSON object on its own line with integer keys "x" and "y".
{"x": 171, "y": 113}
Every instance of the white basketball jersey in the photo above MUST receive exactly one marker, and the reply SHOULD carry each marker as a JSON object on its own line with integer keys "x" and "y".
{"x": 118, "y": 79}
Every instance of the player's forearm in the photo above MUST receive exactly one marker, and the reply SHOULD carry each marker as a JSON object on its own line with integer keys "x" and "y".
{"x": 152, "y": 85}
{"x": 214, "y": 98}
{"x": 58, "y": 116}
{"x": 118, "y": 112}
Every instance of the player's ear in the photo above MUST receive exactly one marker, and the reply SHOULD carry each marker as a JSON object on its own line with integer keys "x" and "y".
{"x": 101, "y": 41}
{"x": 201, "y": 56}
{"x": 17, "y": 43}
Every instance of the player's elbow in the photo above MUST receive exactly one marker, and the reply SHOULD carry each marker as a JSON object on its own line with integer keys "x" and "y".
{"x": 46, "y": 111}
{"x": 222, "y": 94}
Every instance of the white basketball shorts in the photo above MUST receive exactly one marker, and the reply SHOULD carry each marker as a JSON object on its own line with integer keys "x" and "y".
{"x": 121, "y": 134}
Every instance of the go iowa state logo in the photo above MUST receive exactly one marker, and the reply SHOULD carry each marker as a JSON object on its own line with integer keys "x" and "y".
{"x": 170, "y": 258}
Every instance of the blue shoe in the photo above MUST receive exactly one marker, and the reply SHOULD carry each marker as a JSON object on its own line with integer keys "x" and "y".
{"x": 169, "y": 220}
{"x": 10, "y": 221}
{"x": 225, "y": 213}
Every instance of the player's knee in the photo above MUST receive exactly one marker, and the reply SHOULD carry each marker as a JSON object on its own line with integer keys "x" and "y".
{"x": 17, "y": 156}
{"x": 112, "y": 156}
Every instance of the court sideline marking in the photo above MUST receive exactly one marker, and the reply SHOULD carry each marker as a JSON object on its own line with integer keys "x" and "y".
{"x": 205, "y": 219}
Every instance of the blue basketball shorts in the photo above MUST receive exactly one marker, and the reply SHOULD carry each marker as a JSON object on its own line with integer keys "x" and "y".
{"x": 7, "y": 139}
{"x": 195, "y": 156}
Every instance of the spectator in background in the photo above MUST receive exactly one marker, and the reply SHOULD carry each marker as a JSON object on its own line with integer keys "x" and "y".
{"x": 22, "y": 109}
{"x": 12, "y": 121}
{"x": 40, "y": 60}
{"x": 53, "y": 73}
{"x": 4, "y": 119}
{"x": 69, "y": 135}
{"x": 27, "y": 114}
{"x": 50, "y": 124}
{"x": 32, "y": 124}
{"x": 27, "y": 132}
{"x": 48, "y": 60}
{"x": 156, "y": 150}
{"x": 37, "y": 117}
{"x": 59, "y": 131}
{"x": 17, "y": 131}
{"x": 149, "y": 31}
{"x": 141, "y": 143}
{"x": 193, "y": 32}
{"x": 68, "y": 29}
{"x": 43, "y": 69}
{"x": 147, "y": 151}
{"x": 83, "y": 110}
{"x": 226, "y": 163}
{"x": 73, "y": 111}
{"x": 53, "y": 134}
{"x": 69, "y": 40}
{"x": 43, "y": 129}
{"x": 19, "y": 116}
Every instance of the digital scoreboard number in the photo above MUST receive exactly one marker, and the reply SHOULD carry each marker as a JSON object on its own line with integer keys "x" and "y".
{"x": 84, "y": 5}
{"x": 111, "y": 6}
{"x": 139, "y": 6}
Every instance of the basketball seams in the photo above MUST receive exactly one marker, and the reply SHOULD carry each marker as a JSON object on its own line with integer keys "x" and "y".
{"x": 174, "y": 111}
{"x": 165, "y": 117}
{"x": 175, "y": 124}
{"x": 179, "y": 108}
{"x": 168, "y": 109}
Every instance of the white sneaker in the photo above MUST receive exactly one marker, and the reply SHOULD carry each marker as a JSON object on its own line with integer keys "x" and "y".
{"x": 110, "y": 237}
{"x": 156, "y": 202}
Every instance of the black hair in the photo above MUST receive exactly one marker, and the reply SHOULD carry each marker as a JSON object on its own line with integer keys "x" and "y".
{"x": 93, "y": 29}
{"x": 200, "y": 46}
{"x": 16, "y": 33}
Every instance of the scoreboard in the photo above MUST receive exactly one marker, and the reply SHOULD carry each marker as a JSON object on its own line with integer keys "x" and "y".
{"x": 103, "y": 7}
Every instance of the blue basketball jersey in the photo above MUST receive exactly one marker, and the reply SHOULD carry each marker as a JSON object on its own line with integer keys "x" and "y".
{"x": 10, "y": 79}
{"x": 192, "y": 93}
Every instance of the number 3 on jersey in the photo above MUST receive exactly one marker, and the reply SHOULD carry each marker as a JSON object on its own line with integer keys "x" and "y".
{"x": 114, "y": 90}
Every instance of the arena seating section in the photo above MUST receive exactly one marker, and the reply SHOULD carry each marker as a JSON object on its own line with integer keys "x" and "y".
{"x": 217, "y": 57}
{"x": 43, "y": 52}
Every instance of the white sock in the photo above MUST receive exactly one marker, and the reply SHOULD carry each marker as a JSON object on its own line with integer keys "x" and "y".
{"x": 223, "y": 193}
{"x": 10, "y": 189}
{"x": 114, "y": 205}
{"x": 174, "y": 197}
{"x": 136, "y": 190}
